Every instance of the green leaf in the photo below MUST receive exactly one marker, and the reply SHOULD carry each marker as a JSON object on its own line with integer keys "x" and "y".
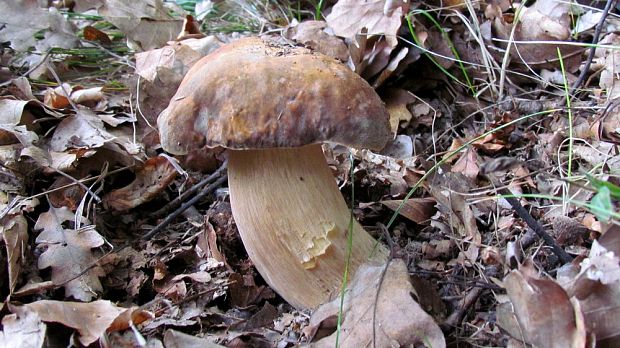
{"x": 601, "y": 202}
{"x": 598, "y": 184}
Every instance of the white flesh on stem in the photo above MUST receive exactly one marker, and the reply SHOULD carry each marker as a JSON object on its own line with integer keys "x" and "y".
{"x": 294, "y": 222}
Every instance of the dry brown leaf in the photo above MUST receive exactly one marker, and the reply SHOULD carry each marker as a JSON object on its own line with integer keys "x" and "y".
{"x": 68, "y": 252}
{"x": 610, "y": 60}
{"x": 177, "y": 339}
{"x": 83, "y": 130}
{"x": 379, "y": 17}
{"x": 598, "y": 289}
{"x": 12, "y": 111}
{"x": 151, "y": 178}
{"x": 545, "y": 315}
{"x": 534, "y": 25}
{"x": 396, "y": 101}
{"x": 147, "y": 24}
{"x": 93, "y": 34}
{"x": 418, "y": 210}
{"x": 91, "y": 320}
{"x": 23, "y": 329}
{"x": 23, "y": 19}
{"x": 399, "y": 320}
{"x": 447, "y": 189}
{"x": 467, "y": 164}
{"x": 14, "y": 233}
{"x": 312, "y": 35}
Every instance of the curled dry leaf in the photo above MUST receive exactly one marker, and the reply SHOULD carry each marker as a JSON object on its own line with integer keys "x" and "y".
{"x": 598, "y": 289}
{"x": 152, "y": 178}
{"x": 379, "y": 17}
{"x": 23, "y": 329}
{"x": 68, "y": 252}
{"x": 14, "y": 233}
{"x": 83, "y": 130}
{"x": 12, "y": 111}
{"x": 447, "y": 189}
{"x": 545, "y": 315}
{"x": 399, "y": 320}
{"x": 91, "y": 320}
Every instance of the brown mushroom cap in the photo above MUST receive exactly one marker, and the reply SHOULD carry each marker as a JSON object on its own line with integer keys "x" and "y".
{"x": 257, "y": 94}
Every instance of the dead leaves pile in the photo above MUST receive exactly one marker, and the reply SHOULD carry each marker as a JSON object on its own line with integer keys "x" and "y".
{"x": 81, "y": 170}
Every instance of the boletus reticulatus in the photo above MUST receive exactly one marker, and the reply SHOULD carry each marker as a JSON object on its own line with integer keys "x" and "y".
{"x": 271, "y": 106}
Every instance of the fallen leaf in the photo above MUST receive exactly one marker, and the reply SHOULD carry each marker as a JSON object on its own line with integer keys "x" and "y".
{"x": 14, "y": 233}
{"x": 22, "y": 19}
{"x": 68, "y": 252}
{"x": 177, "y": 339}
{"x": 151, "y": 179}
{"x": 399, "y": 320}
{"x": 93, "y": 34}
{"x": 23, "y": 329}
{"x": 12, "y": 111}
{"x": 147, "y": 24}
{"x": 447, "y": 189}
{"x": 467, "y": 164}
{"x": 609, "y": 59}
{"x": 545, "y": 314}
{"x": 534, "y": 25}
{"x": 91, "y": 320}
{"x": 83, "y": 130}
{"x": 418, "y": 210}
{"x": 379, "y": 17}
{"x": 312, "y": 35}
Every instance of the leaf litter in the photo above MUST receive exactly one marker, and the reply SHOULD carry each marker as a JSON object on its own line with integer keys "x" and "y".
{"x": 477, "y": 106}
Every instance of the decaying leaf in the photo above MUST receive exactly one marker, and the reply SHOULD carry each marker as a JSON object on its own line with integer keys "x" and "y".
{"x": 467, "y": 164}
{"x": 177, "y": 339}
{"x": 399, "y": 320}
{"x": 152, "y": 178}
{"x": 14, "y": 233}
{"x": 312, "y": 35}
{"x": 544, "y": 313}
{"x": 610, "y": 60}
{"x": 396, "y": 101}
{"x": 91, "y": 320}
{"x": 447, "y": 189}
{"x": 23, "y": 18}
{"x": 23, "y": 329}
{"x": 83, "y": 130}
{"x": 147, "y": 24}
{"x": 68, "y": 252}
{"x": 549, "y": 21}
{"x": 379, "y": 17}
{"x": 418, "y": 210}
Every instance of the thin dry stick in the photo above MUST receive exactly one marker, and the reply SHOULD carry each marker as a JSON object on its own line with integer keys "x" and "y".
{"x": 159, "y": 228}
{"x": 595, "y": 39}
{"x": 190, "y": 192}
{"x": 533, "y": 224}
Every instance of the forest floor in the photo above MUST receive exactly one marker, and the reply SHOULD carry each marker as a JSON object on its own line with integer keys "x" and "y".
{"x": 499, "y": 190}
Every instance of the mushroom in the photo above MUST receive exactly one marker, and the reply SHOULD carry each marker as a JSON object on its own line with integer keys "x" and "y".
{"x": 272, "y": 106}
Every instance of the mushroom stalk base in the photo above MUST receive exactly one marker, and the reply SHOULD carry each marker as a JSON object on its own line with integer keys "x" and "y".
{"x": 294, "y": 222}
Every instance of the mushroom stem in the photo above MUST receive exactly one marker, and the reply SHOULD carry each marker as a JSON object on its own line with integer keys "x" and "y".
{"x": 294, "y": 222}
